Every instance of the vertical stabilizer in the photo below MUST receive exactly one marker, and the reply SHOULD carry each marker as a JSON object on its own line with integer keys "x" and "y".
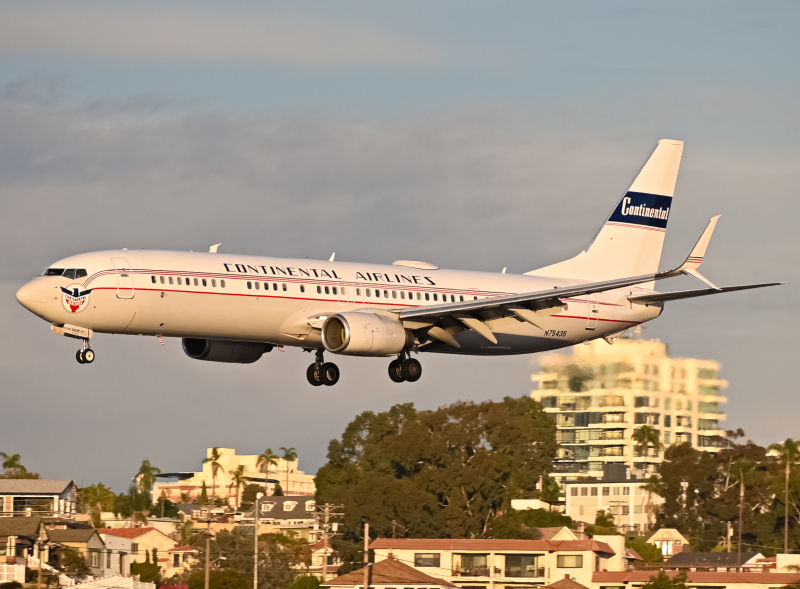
{"x": 630, "y": 241}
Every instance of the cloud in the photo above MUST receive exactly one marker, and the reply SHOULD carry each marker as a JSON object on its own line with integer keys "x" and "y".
{"x": 159, "y": 33}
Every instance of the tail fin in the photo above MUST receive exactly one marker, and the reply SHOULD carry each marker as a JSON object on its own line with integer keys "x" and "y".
{"x": 630, "y": 241}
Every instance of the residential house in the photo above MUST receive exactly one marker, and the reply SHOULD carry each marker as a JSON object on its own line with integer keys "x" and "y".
{"x": 669, "y": 540}
{"x": 38, "y": 497}
{"x": 143, "y": 541}
{"x": 118, "y": 554}
{"x": 84, "y": 541}
{"x": 115, "y": 582}
{"x": 506, "y": 564}
{"x": 18, "y": 541}
{"x": 717, "y": 561}
{"x": 324, "y": 561}
{"x": 388, "y": 573}
{"x": 179, "y": 559}
{"x": 281, "y": 514}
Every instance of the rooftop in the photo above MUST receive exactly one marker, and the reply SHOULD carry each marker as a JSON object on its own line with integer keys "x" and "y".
{"x": 387, "y": 572}
{"x": 71, "y": 535}
{"x": 34, "y": 486}
{"x": 490, "y": 544}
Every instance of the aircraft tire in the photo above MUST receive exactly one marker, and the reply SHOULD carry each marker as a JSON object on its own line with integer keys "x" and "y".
{"x": 79, "y": 357}
{"x": 411, "y": 370}
{"x": 396, "y": 371}
{"x": 329, "y": 374}
{"x": 312, "y": 375}
{"x": 88, "y": 356}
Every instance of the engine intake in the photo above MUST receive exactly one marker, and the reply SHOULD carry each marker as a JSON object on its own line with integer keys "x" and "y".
{"x": 365, "y": 334}
{"x": 214, "y": 350}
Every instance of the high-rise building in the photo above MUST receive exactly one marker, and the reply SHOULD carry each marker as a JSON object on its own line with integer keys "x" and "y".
{"x": 601, "y": 394}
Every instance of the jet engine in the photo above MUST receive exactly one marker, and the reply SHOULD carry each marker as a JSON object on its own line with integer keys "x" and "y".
{"x": 214, "y": 350}
{"x": 365, "y": 334}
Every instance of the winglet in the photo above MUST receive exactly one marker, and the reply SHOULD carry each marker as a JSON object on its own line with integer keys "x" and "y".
{"x": 333, "y": 255}
{"x": 213, "y": 248}
{"x": 695, "y": 257}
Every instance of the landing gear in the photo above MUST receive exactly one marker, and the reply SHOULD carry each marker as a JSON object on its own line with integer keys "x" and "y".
{"x": 86, "y": 355}
{"x": 322, "y": 373}
{"x": 405, "y": 369}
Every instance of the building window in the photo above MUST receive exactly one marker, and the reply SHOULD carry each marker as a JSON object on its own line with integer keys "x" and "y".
{"x": 474, "y": 565}
{"x": 570, "y": 561}
{"x": 523, "y": 565}
{"x": 134, "y": 548}
{"x": 573, "y": 491}
{"x": 427, "y": 559}
{"x": 108, "y": 559}
{"x": 94, "y": 558}
{"x": 605, "y": 491}
{"x": 584, "y": 491}
{"x": 594, "y": 491}
{"x": 626, "y": 490}
{"x": 176, "y": 561}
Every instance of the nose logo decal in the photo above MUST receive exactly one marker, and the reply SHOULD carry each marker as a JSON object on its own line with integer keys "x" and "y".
{"x": 74, "y": 299}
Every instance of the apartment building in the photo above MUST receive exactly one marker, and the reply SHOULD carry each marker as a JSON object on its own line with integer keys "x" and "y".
{"x": 600, "y": 394}
{"x": 506, "y": 564}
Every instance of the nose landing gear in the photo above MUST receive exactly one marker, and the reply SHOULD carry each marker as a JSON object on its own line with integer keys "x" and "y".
{"x": 86, "y": 355}
{"x": 321, "y": 372}
{"x": 405, "y": 369}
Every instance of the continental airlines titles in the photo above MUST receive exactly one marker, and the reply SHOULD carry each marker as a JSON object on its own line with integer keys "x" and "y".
{"x": 643, "y": 210}
{"x": 322, "y": 273}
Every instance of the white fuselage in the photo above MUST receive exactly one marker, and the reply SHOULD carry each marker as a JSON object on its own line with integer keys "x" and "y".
{"x": 279, "y": 301}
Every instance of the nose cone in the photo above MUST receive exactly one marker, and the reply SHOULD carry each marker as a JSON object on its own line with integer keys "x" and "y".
{"x": 32, "y": 297}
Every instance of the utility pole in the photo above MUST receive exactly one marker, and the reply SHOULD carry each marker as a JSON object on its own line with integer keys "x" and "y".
{"x": 741, "y": 509}
{"x": 208, "y": 548}
{"x": 366, "y": 556}
{"x": 255, "y": 540}
{"x": 729, "y": 533}
{"x": 786, "y": 512}
{"x": 39, "y": 572}
{"x": 327, "y": 529}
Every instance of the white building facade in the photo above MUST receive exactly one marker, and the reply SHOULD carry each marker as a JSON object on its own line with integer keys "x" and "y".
{"x": 600, "y": 394}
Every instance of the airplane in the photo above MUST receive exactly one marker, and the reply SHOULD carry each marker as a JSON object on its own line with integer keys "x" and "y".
{"x": 234, "y": 308}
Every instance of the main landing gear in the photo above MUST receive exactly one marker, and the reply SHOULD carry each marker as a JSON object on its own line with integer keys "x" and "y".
{"x": 322, "y": 373}
{"x": 405, "y": 369}
{"x": 85, "y": 355}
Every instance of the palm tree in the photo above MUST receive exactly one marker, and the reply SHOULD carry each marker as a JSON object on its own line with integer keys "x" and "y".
{"x": 11, "y": 462}
{"x": 263, "y": 463}
{"x": 146, "y": 477}
{"x": 215, "y": 468}
{"x": 645, "y": 437}
{"x": 289, "y": 454}
{"x": 184, "y": 531}
{"x": 165, "y": 493}
{"x": 238, "y": 480}
{"x": 97, "y": 498}
{"x": 788, "y": 453}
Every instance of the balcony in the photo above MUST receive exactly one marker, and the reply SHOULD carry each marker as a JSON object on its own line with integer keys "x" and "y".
{"x": 525, "y": 572}
{"x": 478, "y": 571}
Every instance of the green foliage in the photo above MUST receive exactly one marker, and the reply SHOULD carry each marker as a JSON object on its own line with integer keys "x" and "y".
{"x": 126, "y": 504}
{"x": 523, "y": 524}
{"x": 146, "y": 477}
{"x": 147, "y": 571}
{"x": 16, "y": 585}
{"x": 603, "y": 525}
{"x": 72, "y": 562}
{"x": 663, "y": 581}
{"x": 221, "y": 579}
{"x": 438, "y": 474}
{"x": 203, "y": 498}
{"x": 306, "y": 582}
{"x": 13, "y": 469}
{"x": 278, "y": 492}
{"x": 648, "y": 552}
{"x": 170, "y": 509}
{"x": 250, "y": 492}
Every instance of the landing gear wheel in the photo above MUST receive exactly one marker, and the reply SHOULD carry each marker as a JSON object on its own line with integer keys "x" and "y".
{"x": 411, "y": 370}
{"x": 313, "y": 375}
{"x": 329, "y": 374}
{"x": 88, "y": 355}
{"x": 79, "y": 357}
{"x": 396, "y": 371}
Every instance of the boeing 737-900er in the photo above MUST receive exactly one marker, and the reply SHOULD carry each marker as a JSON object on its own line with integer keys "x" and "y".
{"x": 232, "y": 308}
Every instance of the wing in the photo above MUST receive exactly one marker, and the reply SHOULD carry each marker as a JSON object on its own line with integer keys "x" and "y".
{"x": 660, "y": 297}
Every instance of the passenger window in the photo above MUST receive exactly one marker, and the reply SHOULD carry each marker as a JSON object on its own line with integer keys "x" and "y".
{"x": 222, "y": 283}
{"x": 394, "y": 294}
{"x": 327, "y": 290}
{"x": 358, "y": 292}
{"x": 256, "y": 285}
{"x": 80, "y": 273}
{"x": 284, "y": 287}
{"x": 452, "y": 298}
{"x": 204, "y": 281}
{"x": 162, "y": 279}
{"x": 195, "y": 281}
{"x": 476, "y": 298}
{"x": 249, "y": 285}
{"x": 153, "y": 279}
{"x": 385, "y": 294}
{"x": 180, "y": 280}
{"x": 419, "y": 296}
{"x": 213, "y": 282}
{"x": 435, "y": 297}
{"x": 344, "y": 290}
{"x": 461, "y": 297}
{"x": 402, "y": 294}
{"x": 427, "y": 296}
{"x": 319, "y": 289}
{"x": 170, "y": 279}
{"x": 369, "y": 294}
{"x": 335, "y": 291}
{"x": 302, "y": 288}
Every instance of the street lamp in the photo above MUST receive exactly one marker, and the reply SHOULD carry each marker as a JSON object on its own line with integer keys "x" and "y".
{"x": 255, "y": 540}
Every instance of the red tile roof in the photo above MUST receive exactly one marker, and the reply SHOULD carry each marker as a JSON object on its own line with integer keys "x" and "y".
{"x": 182, "y": 549}
{"x": 126, "y": 532}
{"x": 566, "y": 583}
{"x": 699, "y": 577}
{"x": 490, "y": 545}
{"x": 387, "y": 572}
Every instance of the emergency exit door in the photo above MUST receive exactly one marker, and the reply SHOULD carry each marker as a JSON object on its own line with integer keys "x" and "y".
{"x": 124, "y": 278}
{"x": 593, "y": 312}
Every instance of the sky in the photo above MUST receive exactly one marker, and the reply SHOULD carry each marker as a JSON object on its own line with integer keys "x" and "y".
{"x": 473, "y": 135}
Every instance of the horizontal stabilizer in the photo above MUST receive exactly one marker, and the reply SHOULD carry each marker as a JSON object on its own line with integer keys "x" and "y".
{"x": 660, "y": 297}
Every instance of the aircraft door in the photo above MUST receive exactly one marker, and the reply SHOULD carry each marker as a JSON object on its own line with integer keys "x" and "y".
{"x": 124, "y": 278}
{"x": 593, "y": 312}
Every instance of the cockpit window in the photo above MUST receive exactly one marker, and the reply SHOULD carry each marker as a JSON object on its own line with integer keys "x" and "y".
{"x": 71, "y": 273}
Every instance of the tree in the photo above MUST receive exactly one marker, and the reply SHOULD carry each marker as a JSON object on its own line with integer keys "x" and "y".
{"x": 203, "y": 498}
{"x": 551, "y": 491}
{"x": 648, "y": 552}
{"x": 645, "y": 437}
{"x": 148, "y": 572}
{"x": 146, "y": 477}
{"x": 221, "y": 579}
{"x": 788, "y": 453}
{"x": 603, "y": 525}
{"x": 13, "y": 469}
{"x": 213, "y": 458}
{"x": 184, "y": 530}
{"x": 250, "y": 492}
{"x": 278, "y": 490}
{"x": 524, "y": 524}
{"x": 72, "y": 562}
{"x": 306, "y": 582}
{"x": 289, "y": 455}
{"x": 264, "y": 461}
{"x": 238, "y": 481}
{"x": 444, "y": 473}
{"x": 663, "y": 581}
{"x": 95, "y": 499}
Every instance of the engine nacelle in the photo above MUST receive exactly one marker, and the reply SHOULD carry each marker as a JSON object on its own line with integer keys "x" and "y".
{"x": 215, "y": 350}
{"x": 365, "y": 334}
